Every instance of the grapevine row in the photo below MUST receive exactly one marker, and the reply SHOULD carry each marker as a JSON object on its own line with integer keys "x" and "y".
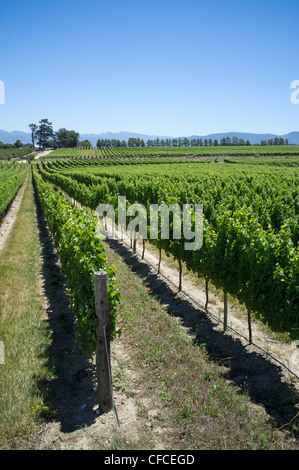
{"x": 146, "y": 152}
{"x": 12, "y": 177}
{"x": 81, "y": 255}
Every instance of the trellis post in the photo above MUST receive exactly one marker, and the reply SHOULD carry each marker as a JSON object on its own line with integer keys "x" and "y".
{"x": 103, "y": 364}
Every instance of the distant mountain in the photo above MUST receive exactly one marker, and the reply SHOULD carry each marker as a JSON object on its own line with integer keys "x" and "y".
{"x": 25, "y": 137}
{"x": 11, "y": 137}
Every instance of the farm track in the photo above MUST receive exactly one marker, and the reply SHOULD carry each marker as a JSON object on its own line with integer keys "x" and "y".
{"x": 9, "y": 219}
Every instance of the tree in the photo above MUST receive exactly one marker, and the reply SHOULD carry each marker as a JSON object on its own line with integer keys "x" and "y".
{"x": 33, "y": 128}
{"x": 85, "y": 144}
{"x": 66, "y": 139}
{"x": 18, "y": 144}
{"x": 44, "y": 133}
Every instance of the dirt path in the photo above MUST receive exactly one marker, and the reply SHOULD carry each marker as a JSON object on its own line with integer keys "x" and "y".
{"x": 43, "y": 154}
{"x": 10, "y": 217}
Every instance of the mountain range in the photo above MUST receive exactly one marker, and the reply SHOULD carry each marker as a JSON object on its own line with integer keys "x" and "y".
{"x": 25, "y": 137}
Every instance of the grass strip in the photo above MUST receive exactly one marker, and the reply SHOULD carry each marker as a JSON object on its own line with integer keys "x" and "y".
{"x": 23, "y": 329}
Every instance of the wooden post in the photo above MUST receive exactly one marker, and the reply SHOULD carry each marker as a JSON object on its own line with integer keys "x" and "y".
{"x": 160, "y": 255}
{"x": 134, "y": 243}
{"x": 180, "y": 275}
{"x": 143, "y": 248}
{"x": 207, "y": 293}
{"x": 225, "y": 310}
{"x": 103, "y": 364}
{"x": 249, "y": 326}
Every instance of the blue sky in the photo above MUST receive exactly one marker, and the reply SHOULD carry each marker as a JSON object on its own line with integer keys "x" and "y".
{"x": 156, "y": 67}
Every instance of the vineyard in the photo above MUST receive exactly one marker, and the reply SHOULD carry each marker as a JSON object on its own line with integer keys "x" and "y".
{"x": 149, "y": 229}
{"x": 249, "y": 253}
{"x": 250, "y": 222}
{"x": 176, "y": 151}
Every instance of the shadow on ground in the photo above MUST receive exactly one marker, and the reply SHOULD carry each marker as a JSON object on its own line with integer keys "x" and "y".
{"x": 252, "y": 372}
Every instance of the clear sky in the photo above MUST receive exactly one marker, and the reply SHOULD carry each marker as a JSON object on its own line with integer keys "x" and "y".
{"x": 164, "y": 67}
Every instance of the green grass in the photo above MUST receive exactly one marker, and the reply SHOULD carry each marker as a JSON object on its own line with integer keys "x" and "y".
{"x": 22, "y": 329}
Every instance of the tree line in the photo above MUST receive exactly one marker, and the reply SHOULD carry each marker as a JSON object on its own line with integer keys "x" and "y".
{"x": 184, "y": 142}
{"x": 17, "y": 145}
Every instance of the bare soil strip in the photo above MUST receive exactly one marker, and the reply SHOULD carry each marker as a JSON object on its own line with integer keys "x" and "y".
{"x": 10, "y": 217}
